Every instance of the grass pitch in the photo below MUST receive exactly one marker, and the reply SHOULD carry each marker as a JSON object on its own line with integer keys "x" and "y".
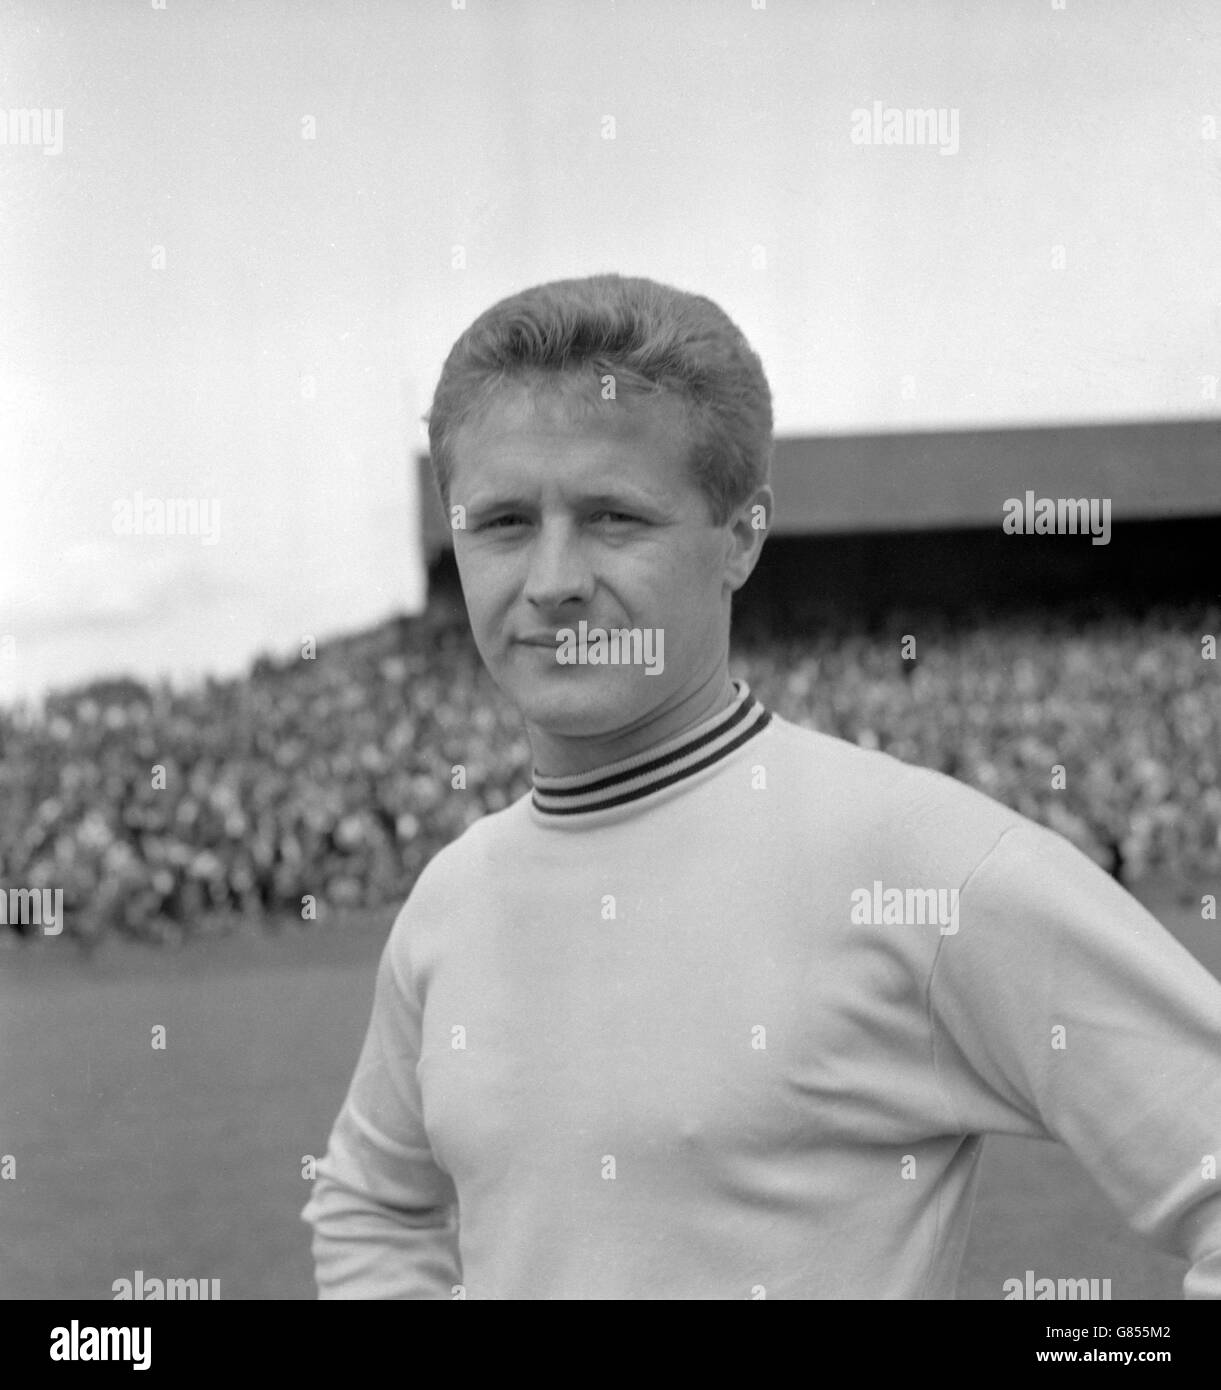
{"x": 187, "y": 1162}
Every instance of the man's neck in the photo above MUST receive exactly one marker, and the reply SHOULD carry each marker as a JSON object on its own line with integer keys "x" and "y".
{"x": 555, "y": 755}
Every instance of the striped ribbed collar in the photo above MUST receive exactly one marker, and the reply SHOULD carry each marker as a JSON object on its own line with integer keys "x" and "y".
{"x": 645, "y": 773}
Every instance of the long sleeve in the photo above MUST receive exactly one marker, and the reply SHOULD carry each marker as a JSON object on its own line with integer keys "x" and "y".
{"x": 384, "y": 1214}
{"x": 1062, "y": 1006}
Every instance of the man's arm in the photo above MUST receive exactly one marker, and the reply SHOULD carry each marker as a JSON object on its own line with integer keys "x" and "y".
{"x": 1061, "y": 999}
{"x": 385, "y": 1216}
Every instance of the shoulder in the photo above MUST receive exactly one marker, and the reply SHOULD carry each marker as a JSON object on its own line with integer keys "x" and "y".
{"x": 876, "y": 795}
{"x": 470, "y": 860}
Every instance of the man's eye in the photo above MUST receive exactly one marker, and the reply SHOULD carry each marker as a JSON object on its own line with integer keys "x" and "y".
{"x": 512, "y": 519}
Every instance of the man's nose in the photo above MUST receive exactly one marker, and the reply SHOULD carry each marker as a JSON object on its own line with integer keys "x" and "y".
{"x": 559, "y": 568}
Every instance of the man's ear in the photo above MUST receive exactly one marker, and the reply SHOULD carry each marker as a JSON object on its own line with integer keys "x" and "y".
{"x": 747, "y": 530}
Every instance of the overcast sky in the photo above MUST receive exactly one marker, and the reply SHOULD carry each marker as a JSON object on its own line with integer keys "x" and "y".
{"x": 237, "y": 277}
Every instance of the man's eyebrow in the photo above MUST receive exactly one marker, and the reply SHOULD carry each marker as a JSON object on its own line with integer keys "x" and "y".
{"x": 486, "y": 501}
{"x": 628, "y": 497}
{"x": 612, "y": 499}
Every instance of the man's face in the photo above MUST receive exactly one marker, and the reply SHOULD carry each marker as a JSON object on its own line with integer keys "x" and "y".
{"x": 588, "y": 513}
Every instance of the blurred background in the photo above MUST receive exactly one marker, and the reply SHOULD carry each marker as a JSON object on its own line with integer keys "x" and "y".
{"x": 237, "y": 241}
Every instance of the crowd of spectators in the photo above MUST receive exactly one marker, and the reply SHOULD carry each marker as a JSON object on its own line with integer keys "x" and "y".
{"x": 317, "y": 785}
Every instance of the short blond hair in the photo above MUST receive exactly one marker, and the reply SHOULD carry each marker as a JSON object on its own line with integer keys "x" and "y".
{"x": 569, "y": 335}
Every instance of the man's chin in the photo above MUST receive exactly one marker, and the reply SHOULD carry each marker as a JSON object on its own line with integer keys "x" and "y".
{"x": 580, "y": 702}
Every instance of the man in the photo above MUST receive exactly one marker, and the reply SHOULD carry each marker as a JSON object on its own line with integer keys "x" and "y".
{"x": 724, "y": 1006}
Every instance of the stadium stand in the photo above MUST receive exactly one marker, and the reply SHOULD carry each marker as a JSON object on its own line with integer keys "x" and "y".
{"x": 333, "y": 778}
